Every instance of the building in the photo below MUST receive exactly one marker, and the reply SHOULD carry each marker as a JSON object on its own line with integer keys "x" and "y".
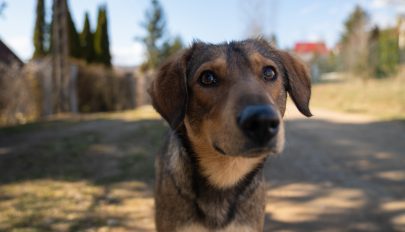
{"x": 311, "y": 52}
{"x": 8, "y": 57}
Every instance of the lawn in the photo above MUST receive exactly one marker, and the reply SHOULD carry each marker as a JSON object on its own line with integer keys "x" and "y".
{"x": 80, "y": 173}
{"x": 384, "y": 99}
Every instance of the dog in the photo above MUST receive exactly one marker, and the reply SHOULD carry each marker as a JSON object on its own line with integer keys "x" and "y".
{"x": 224, "y": 104}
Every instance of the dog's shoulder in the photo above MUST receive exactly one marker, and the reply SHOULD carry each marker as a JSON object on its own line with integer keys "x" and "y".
{"x": 174, "y": 164}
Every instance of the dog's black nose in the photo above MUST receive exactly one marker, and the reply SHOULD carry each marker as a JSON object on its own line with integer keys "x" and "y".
{"x": 260, "y": 123}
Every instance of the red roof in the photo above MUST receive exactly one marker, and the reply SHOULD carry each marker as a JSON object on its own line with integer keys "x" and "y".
{"x": 311, "y": 47}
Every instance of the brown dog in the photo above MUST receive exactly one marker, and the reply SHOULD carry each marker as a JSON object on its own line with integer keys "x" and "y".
{"x": 224, "y": 104}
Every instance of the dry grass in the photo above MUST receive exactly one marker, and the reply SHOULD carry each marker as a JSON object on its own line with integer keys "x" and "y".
{"x": 82, "y": 173}
{"x": 384, "y": 99}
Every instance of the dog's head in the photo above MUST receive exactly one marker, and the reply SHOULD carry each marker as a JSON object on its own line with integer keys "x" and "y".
{"x": 231, "y": 97}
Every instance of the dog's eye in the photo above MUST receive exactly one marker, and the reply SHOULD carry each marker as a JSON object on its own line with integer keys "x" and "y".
{"x": 269, "y": 73}
{"x": 208, "y": 79}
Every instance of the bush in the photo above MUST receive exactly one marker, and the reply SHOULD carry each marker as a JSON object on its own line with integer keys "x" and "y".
{"x": 19, "y": 100}
{"x": 101, "y": 89}
{"x": 28, "y": 93}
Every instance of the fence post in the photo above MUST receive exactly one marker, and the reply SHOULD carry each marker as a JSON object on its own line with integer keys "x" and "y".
{"x": 60, "y": 56}
{"x": 72, "y": 91}
{"x": 140, "y": 90}
{"x": 46, "y": 84}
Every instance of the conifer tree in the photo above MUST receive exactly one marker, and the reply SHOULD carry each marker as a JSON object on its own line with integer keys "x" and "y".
{"x": 155, "y": 26}
{"x": 86, "y": 40}
{"x": 39, "y": 31}
{"x": 171, "y": 47}
{"x": 101, "y": 38}
{"x": 354, "y": 43}
{"x": 159, "y": 45}
{"x": 73, "y": 37}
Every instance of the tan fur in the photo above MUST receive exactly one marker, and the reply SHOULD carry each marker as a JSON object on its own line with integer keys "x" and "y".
{"x": 217, "y": 65}
{"x": 231, "y": 228}
{"x": 222, "y": 171}
{"x": 258, "y": 61}
{"x": 225, "y": 171}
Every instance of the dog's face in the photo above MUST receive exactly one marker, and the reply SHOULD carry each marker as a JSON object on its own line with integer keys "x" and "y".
{"x": 231, "y": 97}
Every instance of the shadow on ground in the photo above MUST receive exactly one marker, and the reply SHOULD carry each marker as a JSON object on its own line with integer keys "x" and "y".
{"x": 97, "y": 175}
{"x": 79, "y": 175}
{"x": 338, "y": 176}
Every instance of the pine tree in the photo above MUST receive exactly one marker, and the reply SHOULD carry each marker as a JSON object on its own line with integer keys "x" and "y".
{"x": 354, "y": 43}
{"x": 101, "y": 38}
{"x": 39, "y": 31}
{"x": 73, "y": 37}
{"x": 155, "y": 26}
{"x": 171, "y": 47}
{"x": 86, "y": 40}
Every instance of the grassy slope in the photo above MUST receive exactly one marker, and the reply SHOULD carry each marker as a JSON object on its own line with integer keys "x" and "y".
{"x": 383, "y": 99}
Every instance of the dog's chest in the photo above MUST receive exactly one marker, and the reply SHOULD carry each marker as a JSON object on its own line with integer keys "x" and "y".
{"x": 233, "y": 227}
{"x": 186, "y": 202}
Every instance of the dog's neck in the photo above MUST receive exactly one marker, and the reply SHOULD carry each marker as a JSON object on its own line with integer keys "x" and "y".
{"x": 196, "y": 187}
{"x": 221, "y": 171}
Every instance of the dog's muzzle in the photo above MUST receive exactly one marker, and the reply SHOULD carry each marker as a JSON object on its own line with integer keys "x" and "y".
{"x": 260, "y": 123}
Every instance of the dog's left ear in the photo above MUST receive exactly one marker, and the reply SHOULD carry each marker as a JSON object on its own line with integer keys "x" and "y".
{"x": 298, "y": 82}
{"x": 169, "y": 90}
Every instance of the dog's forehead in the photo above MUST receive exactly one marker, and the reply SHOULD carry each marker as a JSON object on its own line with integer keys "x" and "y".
{"x": 240, "y": 50}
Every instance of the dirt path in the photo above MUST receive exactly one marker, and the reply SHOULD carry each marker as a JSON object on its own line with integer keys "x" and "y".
{"x": 339, "y": 172}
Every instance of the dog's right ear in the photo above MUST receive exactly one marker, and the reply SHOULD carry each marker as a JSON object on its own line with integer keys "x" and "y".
{"x": 298, "y": 82}
{"x": 169, "y": 89}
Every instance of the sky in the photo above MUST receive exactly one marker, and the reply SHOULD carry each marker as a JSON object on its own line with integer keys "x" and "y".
{"x": 207, "y": 20}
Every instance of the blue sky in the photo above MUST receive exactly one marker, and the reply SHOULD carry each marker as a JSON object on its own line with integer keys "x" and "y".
{"x": 207, "y": 20}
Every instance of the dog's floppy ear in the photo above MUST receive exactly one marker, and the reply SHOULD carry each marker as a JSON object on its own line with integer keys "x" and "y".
{"x": 169, "y": 89}
{"x": 298, "y": 82}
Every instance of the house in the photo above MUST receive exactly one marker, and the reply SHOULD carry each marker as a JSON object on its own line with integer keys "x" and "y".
{"x": 311, "y": 52}
{"x": 8, "y": 57}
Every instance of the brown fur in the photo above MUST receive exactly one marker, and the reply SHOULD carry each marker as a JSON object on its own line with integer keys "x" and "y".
{"x": 209, "y": 176}
{"x": 221, "y": 171}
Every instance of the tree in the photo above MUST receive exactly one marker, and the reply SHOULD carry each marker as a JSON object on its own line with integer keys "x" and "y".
{"x": 171, "y": 47}
{"x": 159, "y": 45}
{"x": 354, "y": 43}
{"x": 86, "y": 40}
{"x": 373, "y": 55}
{"x": 40, "y": 31}
{"x": 155, "y": 26}
{"x": 388, "y": 52}
{"x": 73, "y": 37}
{"x": 254, "y": 16}
{"x": 101, "y": 38}
{"x": 3, "y": 6}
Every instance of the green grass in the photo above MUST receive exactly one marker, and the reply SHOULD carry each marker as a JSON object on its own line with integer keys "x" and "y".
{"x": 383, "y": 99}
